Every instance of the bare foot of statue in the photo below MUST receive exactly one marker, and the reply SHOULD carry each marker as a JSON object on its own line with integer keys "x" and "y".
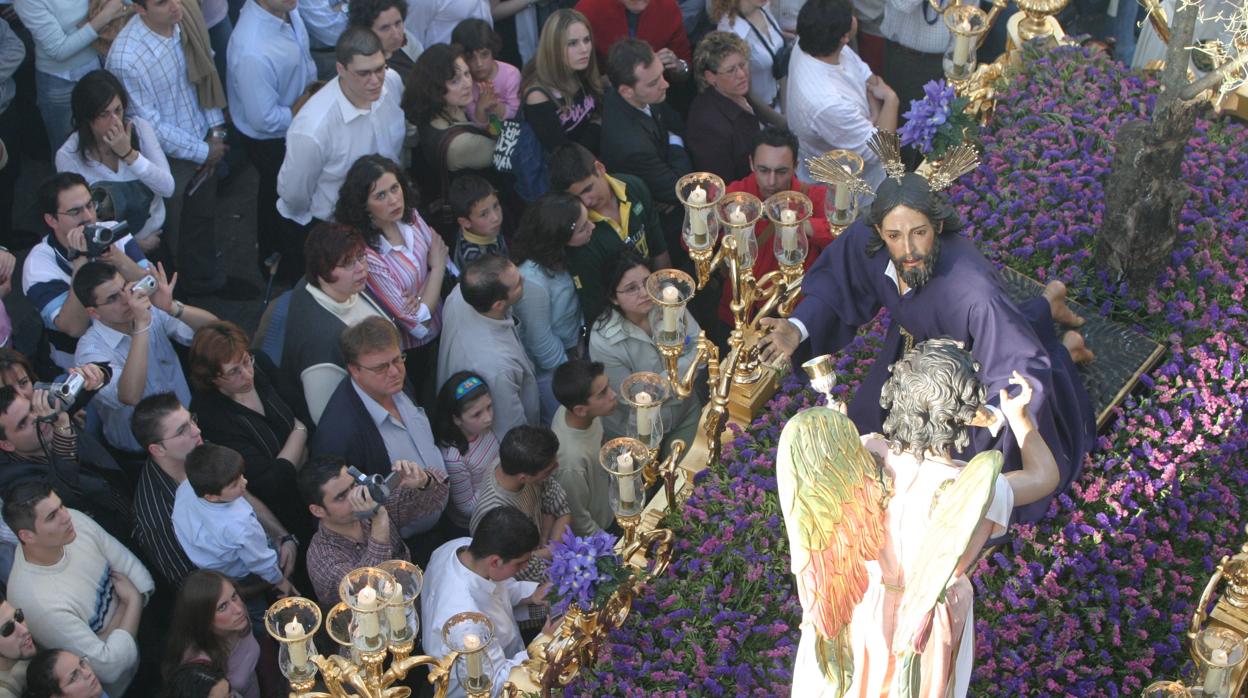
{"x": 1055, "y": 293}
{"x": 1079, "y": 351}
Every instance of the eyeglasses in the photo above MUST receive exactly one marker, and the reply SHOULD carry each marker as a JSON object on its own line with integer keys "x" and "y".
{"x": 735, "y": 69}
{"x": 183, "y": 430}
{"x": 382, "y": 368}
{"x": 79, "y": 673}
{"x": 633, "y": 289}
{"x": 78, "y": 210}
{"x": 359, "y": 260}
{"x": 7, "y": 629}
{"x": 247, "y": 364}
{"x": 378, "y": 73}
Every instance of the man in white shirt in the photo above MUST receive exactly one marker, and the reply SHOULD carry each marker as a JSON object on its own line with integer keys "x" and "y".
{"x": 833, "y": 100}
{"x": 916, "y": 37}
{"x": 148, "y": 57}
{"x": 357, "y": 113}
{"x": 432, "y": 21}
{"x": 270, "y": 66}
{"x": 132, "y": 332}
{"x": 476, "y": 574}
{"x": 80, "y": 589}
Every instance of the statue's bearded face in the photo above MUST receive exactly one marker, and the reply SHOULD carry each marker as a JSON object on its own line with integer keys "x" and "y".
{"x": 913, "y": 244}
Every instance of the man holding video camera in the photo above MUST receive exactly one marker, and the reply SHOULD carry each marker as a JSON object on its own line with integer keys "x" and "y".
{"x": 38, "y": 441}
{"x": 132, "y": 325}
{"x": 75, "y": 237}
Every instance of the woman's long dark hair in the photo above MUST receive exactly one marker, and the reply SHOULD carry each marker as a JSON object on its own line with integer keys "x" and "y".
{"x": 615, "y": 273}
{"x": 545, "y": 229}
{"x": 89, "y": 99}
{"x": 446, "y": 432}
{"x": 192, "y": 681}
{"x": 424, "y": 92}
{"x": 352, "y": 206}
{"x": 191, "y": 630}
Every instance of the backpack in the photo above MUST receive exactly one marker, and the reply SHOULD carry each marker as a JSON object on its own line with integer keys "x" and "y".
{"x": 519, "y": 153}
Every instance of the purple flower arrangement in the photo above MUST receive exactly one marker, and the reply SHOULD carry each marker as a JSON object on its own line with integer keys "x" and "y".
{"x": 584, "y": 570}
{"x": 938, "y": 121}
{"x": 1092, "y": 600}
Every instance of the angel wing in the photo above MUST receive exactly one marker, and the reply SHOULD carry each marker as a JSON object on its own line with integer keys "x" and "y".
{"x": 955, "y": 515}
{"x": 833, "y": 495}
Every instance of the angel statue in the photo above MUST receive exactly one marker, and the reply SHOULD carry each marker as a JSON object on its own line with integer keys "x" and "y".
{"x": 882, "y": 528}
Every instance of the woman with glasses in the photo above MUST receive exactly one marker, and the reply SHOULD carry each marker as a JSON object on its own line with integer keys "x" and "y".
{"x": 406, "y": 260}
{"x": 238, "y": 406}
{"x": 61, "y": 674}
{"x": 768, "y": 50}
{"x": 211, "y": 626}
{"x": 551, "y": 325}
{"x": 621, "y": 340}
{"x": 722, "y": 121}
{"x": 119, "y": 155}
{"x": 329, "y": 299}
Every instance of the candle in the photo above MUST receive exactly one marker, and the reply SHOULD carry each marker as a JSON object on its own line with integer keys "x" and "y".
{"x": 961, "y": 50}
{"x": 298, "y": 650}
{"x": 366, "y": 601}
{"x": 671, "y": 295}
{"x": 1218, "y": 677}
{"x": 842, "y": 197}
{"x": 628, "y": 491}
{"x": 396, "y": 609}
{"x": 697, "y": 216}
{"x": 472, "y": 644}
{"x": 736, "y": 216}
{"x": 788, "y": 230}
{"x": 644, "y": 417}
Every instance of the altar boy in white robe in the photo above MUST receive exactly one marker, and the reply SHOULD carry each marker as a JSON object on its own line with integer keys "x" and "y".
{"x": 477, "y": 574}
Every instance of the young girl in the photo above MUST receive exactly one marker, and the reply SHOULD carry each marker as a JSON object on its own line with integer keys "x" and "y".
{"x": 462, "y": 428}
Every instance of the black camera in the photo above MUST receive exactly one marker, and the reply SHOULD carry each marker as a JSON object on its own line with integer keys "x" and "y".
{"x": 100, "y": 237}
{"x": 378, "y": 487}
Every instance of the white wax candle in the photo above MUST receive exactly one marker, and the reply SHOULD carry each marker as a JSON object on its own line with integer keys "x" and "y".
{"x": 736, "y": 216}
{"x": 298, "y": 650}
{"x": 472, "y": 643}
{"x": 697, "y": 216}
{"x": 670, "y": 312}
{"x": 366, "y": 617}
{"x": 396, "y": 610}
{"x": 961, "y": 49}
{"x": 1217, "y": 682}
{"x": 697, "y": 196}
{"x": 842, "y": 197}
{"x": 628, "y": 492}
{"x": 644, "y": 417}
{"x": 788, "y": 230}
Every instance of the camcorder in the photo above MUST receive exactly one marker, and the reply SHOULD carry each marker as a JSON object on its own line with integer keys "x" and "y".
{"x": 99, "y": 238}
{"x": 64, "y": 392}
{"x": 379, "y": 487}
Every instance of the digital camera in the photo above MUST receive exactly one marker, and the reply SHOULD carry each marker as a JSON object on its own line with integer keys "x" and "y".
{"x": 145, "y": 286}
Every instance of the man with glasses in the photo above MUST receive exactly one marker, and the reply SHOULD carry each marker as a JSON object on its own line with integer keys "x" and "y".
{"x": 67, "y": 207}
{"x": 479, "y": 334}
{"x": 121, "y": 315}
{"x": 17, "y": 646}
{"x": 357, "y": 113}
{"x": 79, "y": 588}
{"x": 623, "y": 214}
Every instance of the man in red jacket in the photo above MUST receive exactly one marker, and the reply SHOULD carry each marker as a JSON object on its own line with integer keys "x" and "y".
{"x": 774, "y": 164}
{"x": 657, "y": 22}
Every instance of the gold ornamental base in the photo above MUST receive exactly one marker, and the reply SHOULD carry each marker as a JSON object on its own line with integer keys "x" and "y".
{"x": 745, "y": 400}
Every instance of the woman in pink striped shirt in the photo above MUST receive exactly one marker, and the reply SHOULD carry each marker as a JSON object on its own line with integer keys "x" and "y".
{"x": 406, "y": 260}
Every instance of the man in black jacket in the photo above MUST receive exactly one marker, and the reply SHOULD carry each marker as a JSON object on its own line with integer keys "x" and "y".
{"x": 641, "y": 134}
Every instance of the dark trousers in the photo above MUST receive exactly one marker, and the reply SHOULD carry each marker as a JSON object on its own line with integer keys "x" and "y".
{"x": 190, "y": 230}
{"x": 267, "y": 156}
{"x": 907, "y": 71}
{"x": 10, "y": 133}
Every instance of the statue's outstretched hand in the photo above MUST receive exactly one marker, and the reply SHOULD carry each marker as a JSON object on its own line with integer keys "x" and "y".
{"x": 780, "y": 342}
{"x": 1015, "y": 408}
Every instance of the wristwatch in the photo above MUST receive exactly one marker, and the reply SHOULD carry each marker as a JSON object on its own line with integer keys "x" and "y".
{"x": 217, "y": 132}
{"x": 289, "y": 538}
{"x": 178, "y": 308}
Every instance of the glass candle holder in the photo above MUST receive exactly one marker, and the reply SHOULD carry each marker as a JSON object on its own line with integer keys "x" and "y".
{"x": 671, "y": 290}
{"x": 338, "y": 626}
{"x": 967, "y": 25}
{"x": 624, "y": 458}
{"x": 362, "y": 590}
{"x": 787, "y": 211}
{"x": 644, "y": 394}
{"x": 1167, "y": 689}
{"x": 292, "y": 622}
{"x": 401, "y": 617}
{"x": 1220, "y": 654}
{"x": 738, "y": 212}
{"x": 698, "y": 192}
{"x": 470, "y": 634}
{"x": 841, "y": 205}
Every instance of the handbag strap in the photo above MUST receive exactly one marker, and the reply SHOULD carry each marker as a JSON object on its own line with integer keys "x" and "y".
{"x": 763, "y": 39}
{"x": 444, "y": 147}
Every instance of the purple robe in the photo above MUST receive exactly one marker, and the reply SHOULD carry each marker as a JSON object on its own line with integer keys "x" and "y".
{"x": 964, "y": 300}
